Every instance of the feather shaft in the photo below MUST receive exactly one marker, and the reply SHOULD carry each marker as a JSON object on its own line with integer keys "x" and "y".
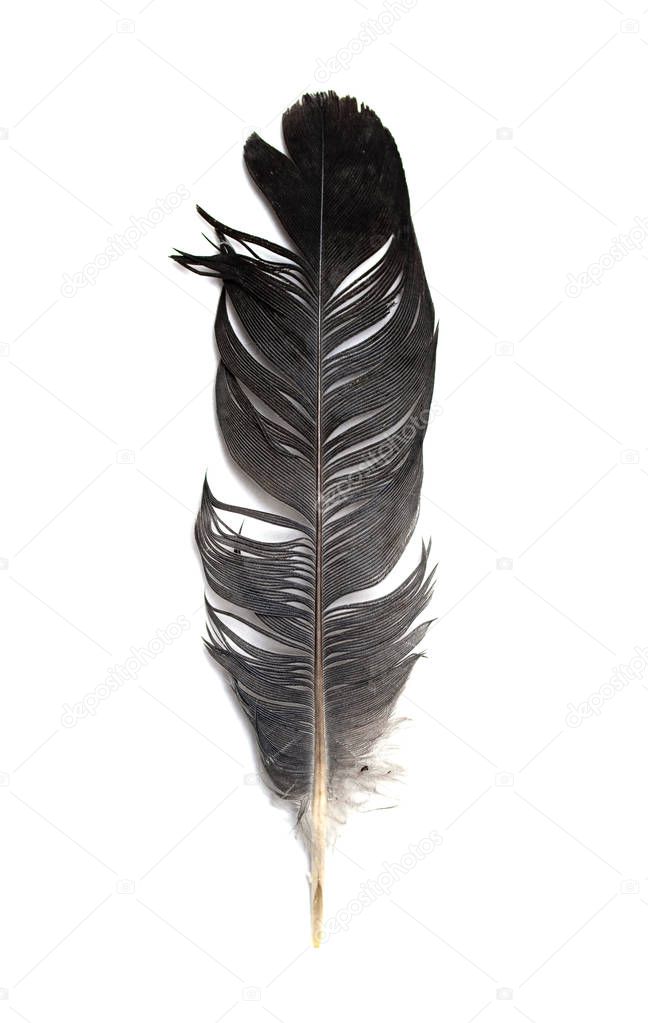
{"x": 320, "y": 763}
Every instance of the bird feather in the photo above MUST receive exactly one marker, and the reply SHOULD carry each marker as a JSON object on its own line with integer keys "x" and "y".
{"x": 327, "y": 355}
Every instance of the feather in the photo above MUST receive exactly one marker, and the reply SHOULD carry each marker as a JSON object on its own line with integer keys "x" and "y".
{"x": 327, "y": 355}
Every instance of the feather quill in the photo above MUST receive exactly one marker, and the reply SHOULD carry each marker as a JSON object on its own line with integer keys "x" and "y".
{"x": 327, "y": 356}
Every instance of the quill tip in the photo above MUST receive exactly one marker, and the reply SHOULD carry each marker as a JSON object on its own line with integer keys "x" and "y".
{"x": 317, "y": 906}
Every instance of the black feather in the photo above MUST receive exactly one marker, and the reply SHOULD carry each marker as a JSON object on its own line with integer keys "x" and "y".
{"x": 323, "y": 392}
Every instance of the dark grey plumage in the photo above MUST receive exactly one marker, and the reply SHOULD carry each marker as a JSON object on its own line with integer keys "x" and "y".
{"x": 323, "y": 403}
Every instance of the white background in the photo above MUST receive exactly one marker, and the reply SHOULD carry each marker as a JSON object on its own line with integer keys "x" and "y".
{"x": 144, "y": 873}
